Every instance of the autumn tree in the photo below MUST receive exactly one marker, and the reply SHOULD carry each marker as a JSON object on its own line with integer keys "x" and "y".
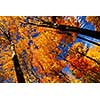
{"x": 14, "y": 57}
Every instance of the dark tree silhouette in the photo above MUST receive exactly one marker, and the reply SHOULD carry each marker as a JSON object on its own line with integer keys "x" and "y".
{"x": 86, "y": 32}
{"x": 18, "y": 70}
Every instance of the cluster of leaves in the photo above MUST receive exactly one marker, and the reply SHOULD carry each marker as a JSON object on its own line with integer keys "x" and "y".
{"x": 95, "y": 20}
{"x": 45, "y": 56}
{"x": 81, "y": 65}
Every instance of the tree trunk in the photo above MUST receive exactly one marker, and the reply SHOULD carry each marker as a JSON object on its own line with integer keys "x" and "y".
{"x": 86, "y": 32}
{"x": 18, "y": 70}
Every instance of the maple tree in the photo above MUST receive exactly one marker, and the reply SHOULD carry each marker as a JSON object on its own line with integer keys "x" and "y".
{"x": 30, "y": 50}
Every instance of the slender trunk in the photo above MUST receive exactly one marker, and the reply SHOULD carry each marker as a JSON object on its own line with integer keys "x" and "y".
{"x": 88, "y": 40}
{"x": 18, "y": 70}
{"x": 89, "y": 58}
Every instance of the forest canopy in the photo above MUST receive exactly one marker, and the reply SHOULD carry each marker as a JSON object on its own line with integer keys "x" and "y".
{"x": 49, "y": 49}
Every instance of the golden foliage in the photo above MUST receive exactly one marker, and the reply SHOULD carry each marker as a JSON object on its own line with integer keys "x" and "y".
{"x": 43, "y": 51}
{"x": 95, "y": 20}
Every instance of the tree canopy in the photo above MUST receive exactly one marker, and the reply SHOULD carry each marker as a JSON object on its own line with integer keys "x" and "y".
{"x": 49, "y": 49}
